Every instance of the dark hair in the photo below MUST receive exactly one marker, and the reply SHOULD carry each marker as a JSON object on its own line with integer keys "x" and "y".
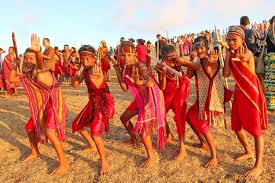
{"x": 132, "y": 40}
{"x": 29, "y": 50}
{"x": 140, "y": 41}
{"x": 56, "y": 47}
{"x": 244, "y": 21}
{"x": 66, "y": 45}
{"x": 158, "y": 35}
{"x": 272, "y": 20}
{"x": 202, "y": 38}
{"x": 87, "y": 48}
{"x": 167, "y": 49}
{"x": 11, "y": 47}
{"x": 47, "y": 39}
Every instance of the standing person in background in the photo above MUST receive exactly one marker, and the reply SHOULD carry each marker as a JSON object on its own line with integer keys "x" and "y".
{"x": 159, "y": 44}
{"x": 66, "y": 55}
{"x": 141, "y": 51}
{"x": 49, "y": 55}
{"x": 1, "y": 52}
{"x": 58, "y": 64}
{"x": 1, "y": 78}
{"x": 269, "y": 67}
{"x": 186, "y": 46}
{"x": 7, "y": 65}
{"x": 103, "y": 54}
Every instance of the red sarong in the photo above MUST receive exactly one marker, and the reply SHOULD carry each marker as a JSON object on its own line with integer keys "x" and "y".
{"x": 249, "y": 106}
{"x": 175, "y": 98}
{"x": 192, "y": 116}
{"x": 47, "y": 107}
{"x": 99, "y": 110}
{"x": 49, "y": 118}
{"x": 105, "y": 66}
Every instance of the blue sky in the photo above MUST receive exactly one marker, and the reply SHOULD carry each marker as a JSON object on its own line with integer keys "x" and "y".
{"x": 88, "y": 21}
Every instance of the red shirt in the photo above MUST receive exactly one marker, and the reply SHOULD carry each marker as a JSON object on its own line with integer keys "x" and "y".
{"x": 142, "y": 53}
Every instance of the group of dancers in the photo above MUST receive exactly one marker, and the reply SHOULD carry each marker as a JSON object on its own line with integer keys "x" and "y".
{"x": 153, "y": 98}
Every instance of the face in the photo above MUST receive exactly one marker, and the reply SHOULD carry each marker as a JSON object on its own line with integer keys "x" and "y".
{"x": 234, "y": 41}
{"x": 201, "y": 51}
{"x": 11, "y": 50}
{"x": 88, "y": 61}
{"x": 103, "y": 44}
{"x": 46, "y": 43}
{"x": 29, "y": 61}
{"x": 66, "y": 48}
{"x": 169, "y": 58}
{"x": 128, "y": 58}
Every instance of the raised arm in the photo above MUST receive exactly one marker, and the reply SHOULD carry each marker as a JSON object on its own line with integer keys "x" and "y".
{"x": 185, "y": 61}
{"x": 35, "y": 45}
{"x": 226, "y": 68}
{"x": 76, "y": 80}
{"x": 122, "y": 84}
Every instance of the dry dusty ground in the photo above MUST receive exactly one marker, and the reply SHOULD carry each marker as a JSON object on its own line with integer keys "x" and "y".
{"x": 123, "y": 158}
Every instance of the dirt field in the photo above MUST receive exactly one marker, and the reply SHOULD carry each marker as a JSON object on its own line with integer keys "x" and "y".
{"x": 123, "y": 158}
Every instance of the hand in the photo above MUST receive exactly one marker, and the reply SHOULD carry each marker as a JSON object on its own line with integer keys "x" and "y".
{"x": 213, "y": 57}
{"x": 135, "y": 78}
{"x": 35, "y": 42}
{"x": 161, "y": 68}
{"x": 96, "y": 71}
{"x": 242, "y": 54}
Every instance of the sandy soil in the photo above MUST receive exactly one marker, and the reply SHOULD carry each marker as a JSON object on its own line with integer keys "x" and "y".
{"x": 123, "y": 158}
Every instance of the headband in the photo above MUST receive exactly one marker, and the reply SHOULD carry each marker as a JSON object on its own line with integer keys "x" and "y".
{"x": 87, "y": 53}
{"x": 236, "y": 30}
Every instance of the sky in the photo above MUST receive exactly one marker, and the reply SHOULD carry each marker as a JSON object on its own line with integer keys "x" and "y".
{"x": 78, "y": 22}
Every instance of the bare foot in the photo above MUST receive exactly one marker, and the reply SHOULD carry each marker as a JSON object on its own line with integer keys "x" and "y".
{"x": 149, "y": 162}
{"x": 31, "y": 157}
{"x": 245, "y": 156}
{"x": 212, "y": 163}
{"x": 61, "y": 169}
{"x": 254, "y": 173}
{"x": 105, "y": 168}
{"x": 182, "y": 154}
{"x": 170, "y": 138}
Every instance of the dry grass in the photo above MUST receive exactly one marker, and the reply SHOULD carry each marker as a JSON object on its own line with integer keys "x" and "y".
{"x": 123, "y": 158}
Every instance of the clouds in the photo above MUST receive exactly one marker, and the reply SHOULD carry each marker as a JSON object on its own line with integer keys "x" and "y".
{"x": 153, "y": 16}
